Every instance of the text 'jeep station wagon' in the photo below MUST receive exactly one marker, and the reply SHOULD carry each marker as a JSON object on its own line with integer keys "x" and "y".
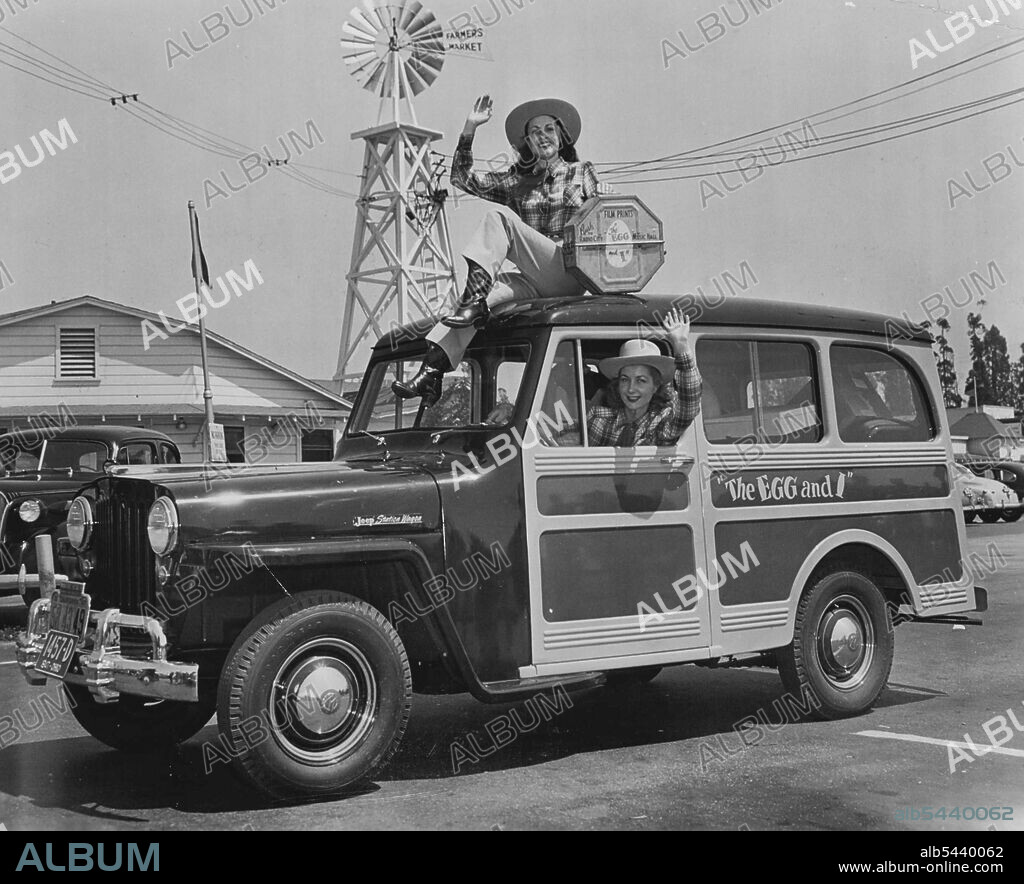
{"x": 481, "y": 543}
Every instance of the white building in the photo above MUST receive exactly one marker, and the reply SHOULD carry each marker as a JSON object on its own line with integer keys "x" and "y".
{"x": 85, "y": 356}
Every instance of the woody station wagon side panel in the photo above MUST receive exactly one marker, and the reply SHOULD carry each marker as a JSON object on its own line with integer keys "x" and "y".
{"x": 798, "y": 495}
{"x": 608, "y": 529}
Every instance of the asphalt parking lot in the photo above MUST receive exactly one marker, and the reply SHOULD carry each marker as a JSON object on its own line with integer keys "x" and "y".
{"x": 666, "y": 755}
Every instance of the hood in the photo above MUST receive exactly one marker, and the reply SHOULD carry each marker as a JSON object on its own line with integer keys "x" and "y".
{"x": 980, "y": 484}
{"x": 241, "y": 502}
{"x": 37, "y": 484}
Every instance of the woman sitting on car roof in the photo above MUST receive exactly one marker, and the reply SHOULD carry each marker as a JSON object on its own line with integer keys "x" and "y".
{"x": 543, "y": 190}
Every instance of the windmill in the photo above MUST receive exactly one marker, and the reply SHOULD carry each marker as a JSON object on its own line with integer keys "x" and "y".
{"x": 401, "y": 268}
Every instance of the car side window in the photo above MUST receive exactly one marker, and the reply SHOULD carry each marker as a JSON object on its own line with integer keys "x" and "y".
{"x": 558, "y": 419}
{"x": 168, "y": 454}
{"x": 135, "y": 453}
{"x": 763, "y": 390}
{"x": 878, "y": 397}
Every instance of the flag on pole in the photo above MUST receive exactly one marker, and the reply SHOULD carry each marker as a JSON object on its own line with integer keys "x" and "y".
{"x": 197, "y": 246}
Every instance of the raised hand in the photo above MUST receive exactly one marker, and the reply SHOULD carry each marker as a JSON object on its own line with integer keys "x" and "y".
{"x": 481, "y": 113}
{"x": 676, "y": 325}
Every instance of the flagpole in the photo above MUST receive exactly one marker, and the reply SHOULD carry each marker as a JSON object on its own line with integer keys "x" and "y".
{"x": 197, "y": 261}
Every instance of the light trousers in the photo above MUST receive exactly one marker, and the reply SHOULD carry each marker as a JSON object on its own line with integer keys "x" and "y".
{"x": 540, "y": 272}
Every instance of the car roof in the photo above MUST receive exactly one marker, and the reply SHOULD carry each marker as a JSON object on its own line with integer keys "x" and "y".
{"x": 723, "y": 310}
{"x": 94, "y": 433}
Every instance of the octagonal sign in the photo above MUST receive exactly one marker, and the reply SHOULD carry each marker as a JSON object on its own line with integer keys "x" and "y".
{"x": 613, "y": 244}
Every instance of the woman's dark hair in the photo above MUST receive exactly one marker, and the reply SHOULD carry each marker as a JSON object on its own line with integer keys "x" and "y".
{"x": 567, "y": 151}
{"x": 659, "y": 400}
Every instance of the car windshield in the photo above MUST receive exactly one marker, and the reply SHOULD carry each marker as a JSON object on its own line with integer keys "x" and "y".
{"x": 57, "y": 454}
{"x": 483, "y": 388}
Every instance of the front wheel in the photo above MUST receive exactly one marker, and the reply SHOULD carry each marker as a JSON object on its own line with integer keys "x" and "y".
{"x": 1012, "y": 515}
{"x": 315, "y": 695}
{"x": 138, "y": 724}
{"x": 968, "y": 517}
{"x": 842, "y": 646}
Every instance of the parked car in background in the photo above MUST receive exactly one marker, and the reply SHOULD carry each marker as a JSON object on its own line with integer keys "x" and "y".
{"x": 985, "y": 497}
{"x": 42, "y": 469}
{"x": 1009, "y": 472}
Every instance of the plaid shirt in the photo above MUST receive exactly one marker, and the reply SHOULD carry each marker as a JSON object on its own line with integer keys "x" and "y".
{"x": 656, "y": 427}
{"x": 545, "y": 201}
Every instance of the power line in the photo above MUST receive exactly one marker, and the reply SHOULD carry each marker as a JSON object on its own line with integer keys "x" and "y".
{"x": 168, "y": 124}
{"x": 811, "y": 156}
{"x": 835, "y": 138}
{"x": 48, "y": 69}
{"x": 53, "y": 82}
{"x": 61, "y": 60}
{"x": 836, "y": 107}
{"x": 743, "y": 149}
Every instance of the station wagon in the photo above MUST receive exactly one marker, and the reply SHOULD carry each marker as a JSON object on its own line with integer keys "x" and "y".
{"x": 480, "y": 544}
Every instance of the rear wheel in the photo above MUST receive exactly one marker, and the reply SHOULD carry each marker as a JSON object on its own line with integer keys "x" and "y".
{"x": 1012, "y": 515}
{"x": 315, "y": 695}
{"x": 968, "y": 516}
{"x": 139, "y": 724}
{"x": 842, "y": 646}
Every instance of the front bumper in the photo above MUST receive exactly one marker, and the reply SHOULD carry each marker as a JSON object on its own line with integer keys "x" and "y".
{"x": 99, "y": 664}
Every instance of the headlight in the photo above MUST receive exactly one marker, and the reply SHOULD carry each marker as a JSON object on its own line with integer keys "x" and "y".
{"x": 162, "y": 526}
{"x": 30, "y": 510}
{"x": 79, "y": 523}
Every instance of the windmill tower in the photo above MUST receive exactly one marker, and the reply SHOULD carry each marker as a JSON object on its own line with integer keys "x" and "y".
{"x": 401, "y": 269}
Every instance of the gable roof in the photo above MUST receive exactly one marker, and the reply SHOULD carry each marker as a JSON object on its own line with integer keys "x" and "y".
{"x": 139, "y": 313}
{"x": 978, "y": 425}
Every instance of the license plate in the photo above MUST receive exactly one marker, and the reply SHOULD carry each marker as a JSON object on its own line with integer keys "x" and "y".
{"x": 69, "y": 613}
{"x": 69, "y": 618}
{"x": 57, "y": 653}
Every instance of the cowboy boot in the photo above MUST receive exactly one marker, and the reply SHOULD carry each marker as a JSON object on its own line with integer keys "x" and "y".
{"x": 427, "y": 382}
{"x": 472, "y": 309}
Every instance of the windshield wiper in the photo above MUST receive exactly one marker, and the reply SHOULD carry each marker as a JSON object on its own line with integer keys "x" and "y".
{"x": 437, "y": 436}
{"x": 380, "y": 440}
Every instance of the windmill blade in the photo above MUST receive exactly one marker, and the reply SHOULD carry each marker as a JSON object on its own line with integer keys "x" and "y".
{"x": 379, "y": 14}
{"x": 427, "y": 68}
{"x": 417, "y": 82}
{"x": 432, "y": 41}
{"x": 359, "y": 32}
{"x": 409, "y": 13}
{"x": 369, "y": 24}
{"x": 423, "y": 19}
{"x": 378, "y": 78}
{"x": 365, "y": 72}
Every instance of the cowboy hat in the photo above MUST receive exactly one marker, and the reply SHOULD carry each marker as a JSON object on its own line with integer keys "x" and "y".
{"x": 638, "y": 352}
{"x": 515, "y": 122}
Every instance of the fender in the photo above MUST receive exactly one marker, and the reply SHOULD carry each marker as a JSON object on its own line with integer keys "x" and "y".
{"x": 844, "y": 538}
{"x": 368, "y": 549}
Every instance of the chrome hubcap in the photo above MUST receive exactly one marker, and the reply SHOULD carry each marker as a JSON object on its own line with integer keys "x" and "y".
{"x": 324, "y": 701}
{"x": 846, "y": 642}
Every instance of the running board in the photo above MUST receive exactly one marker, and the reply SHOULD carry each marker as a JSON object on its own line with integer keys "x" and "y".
{"x": 955, "y": 619}
{"x": 516, "y": 689}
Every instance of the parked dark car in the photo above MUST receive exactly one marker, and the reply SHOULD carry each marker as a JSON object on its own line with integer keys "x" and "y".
{"x": 41, "y": 469}
{"x": 1009, "y": 472}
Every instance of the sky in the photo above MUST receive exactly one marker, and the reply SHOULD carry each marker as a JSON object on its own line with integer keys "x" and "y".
{"x": 869, "y": 228}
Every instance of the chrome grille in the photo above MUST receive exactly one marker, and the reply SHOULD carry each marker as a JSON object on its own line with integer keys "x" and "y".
{"x": 125, "y": 567}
